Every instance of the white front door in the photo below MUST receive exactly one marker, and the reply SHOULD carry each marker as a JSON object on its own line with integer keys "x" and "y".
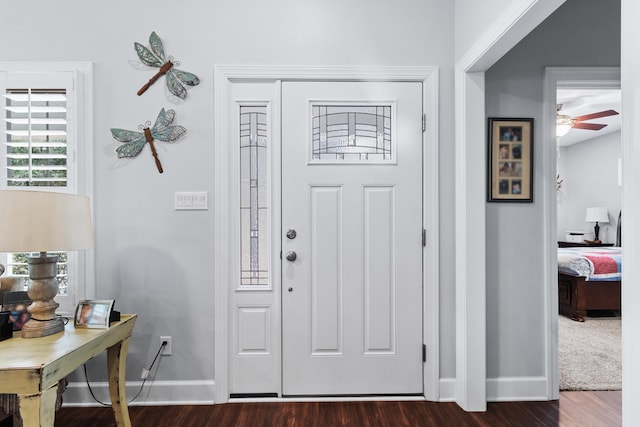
{"x": 352, "y": 191}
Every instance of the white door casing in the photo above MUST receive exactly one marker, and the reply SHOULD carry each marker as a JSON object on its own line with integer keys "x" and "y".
{"x": 352, "y": 305}
{"x": 262, "y": 305}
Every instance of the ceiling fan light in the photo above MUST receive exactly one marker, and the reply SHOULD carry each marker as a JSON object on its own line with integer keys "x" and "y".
{"x": 562, "y": 129}
{"x": 563, "y": 124}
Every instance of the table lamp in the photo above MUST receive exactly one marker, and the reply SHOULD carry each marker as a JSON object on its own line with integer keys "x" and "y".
{"x": 37, "y": 221}
{"x": 597, "y": 215}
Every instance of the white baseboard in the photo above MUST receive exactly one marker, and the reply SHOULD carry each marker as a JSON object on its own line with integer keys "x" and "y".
{"x": 447, "y": 390}
{"x": 514, "y": 389}
{"x": 154, "y": 393}
{"x": 506, "y": 389}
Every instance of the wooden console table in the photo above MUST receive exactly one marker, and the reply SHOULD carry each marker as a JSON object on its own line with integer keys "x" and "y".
{"x": 32, "y": 367}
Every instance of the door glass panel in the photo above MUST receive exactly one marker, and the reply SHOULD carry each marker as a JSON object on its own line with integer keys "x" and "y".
{"x": 253, "y": 196}
{"x": 351, "y": 133}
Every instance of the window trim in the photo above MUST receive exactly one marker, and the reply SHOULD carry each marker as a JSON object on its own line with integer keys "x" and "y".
{"x": 82, "y": 157}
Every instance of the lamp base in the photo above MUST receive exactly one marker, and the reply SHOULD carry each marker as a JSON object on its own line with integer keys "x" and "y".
{"x": 43, "y": 287}
{"x": 42, "y": 328}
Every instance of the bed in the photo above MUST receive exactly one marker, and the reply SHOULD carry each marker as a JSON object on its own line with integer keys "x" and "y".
{"x": 589, "y": 278}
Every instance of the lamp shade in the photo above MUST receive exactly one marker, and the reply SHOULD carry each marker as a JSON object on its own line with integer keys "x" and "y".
{"x": 38, "y": 221}
{"x": 598, "y": 214}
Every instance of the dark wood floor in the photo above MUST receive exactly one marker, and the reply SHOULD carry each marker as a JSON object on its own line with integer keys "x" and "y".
{"x": 584, "y": 409}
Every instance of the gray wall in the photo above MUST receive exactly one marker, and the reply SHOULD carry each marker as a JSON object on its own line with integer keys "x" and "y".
{"x": 472, "y": 18}
{"x": 158, "y": 262}
{"x": 579, "y": 33}
{"x": 590, "y": 173}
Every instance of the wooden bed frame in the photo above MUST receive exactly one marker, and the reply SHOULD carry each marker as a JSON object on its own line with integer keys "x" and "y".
{"x": 576, "y": 296}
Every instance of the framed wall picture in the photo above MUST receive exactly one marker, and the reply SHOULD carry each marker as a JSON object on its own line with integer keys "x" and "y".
{"x": 510, "y": 170}
{"x": 93, "y": 313}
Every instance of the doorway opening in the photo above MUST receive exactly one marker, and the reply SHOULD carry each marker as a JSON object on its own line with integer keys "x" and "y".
{"x": 592, "y": 143}
{"x": 578, "y": 94}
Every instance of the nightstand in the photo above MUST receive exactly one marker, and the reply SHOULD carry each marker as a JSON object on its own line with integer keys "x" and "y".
{"x": 581, "y": 244}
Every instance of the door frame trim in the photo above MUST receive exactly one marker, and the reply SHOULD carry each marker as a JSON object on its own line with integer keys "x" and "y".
{"x": 517, "y": 20}
{"x": 224, "y": 77}
{"x": 555, "y": 78}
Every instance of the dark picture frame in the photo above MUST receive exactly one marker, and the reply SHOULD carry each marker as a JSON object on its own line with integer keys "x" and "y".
{"x": 93, "y": 313}
{"x": 510, "y": 169}
{"x": 17, "y": 304}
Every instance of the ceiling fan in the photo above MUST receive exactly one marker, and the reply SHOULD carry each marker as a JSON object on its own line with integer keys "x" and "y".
{"x": 565, "y": 123}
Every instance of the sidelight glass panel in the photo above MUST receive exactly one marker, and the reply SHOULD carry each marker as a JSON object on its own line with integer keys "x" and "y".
{"x": 351, "y": 133}
{"x": 254, "y": 235}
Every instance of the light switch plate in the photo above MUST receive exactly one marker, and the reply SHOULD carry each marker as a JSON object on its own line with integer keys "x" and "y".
{"x": 191, "y": 200}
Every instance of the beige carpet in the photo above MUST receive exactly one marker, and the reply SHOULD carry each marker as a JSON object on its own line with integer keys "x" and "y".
{"x": 590, "y": 353}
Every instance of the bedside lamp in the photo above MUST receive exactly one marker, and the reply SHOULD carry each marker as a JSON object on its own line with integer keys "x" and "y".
{"x": 37, "y": 221}
{"x": 597, "y": 215}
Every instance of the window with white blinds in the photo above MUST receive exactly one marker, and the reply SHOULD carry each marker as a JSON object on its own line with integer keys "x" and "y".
{"x": 41, "y": 120}
{"x": 36, "y": 137}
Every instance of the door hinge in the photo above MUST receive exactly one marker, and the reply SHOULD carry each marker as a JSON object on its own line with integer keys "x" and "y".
{"x": 424, "y": 122}
{"x": 424, "y": 237}
{"x": 280, "y": 254}
{"x": 424, "y": 352}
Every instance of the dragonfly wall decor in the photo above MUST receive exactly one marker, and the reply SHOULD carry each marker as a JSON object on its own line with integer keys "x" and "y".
{"x": 155, "y": 58}
{"x": 162, "y": 130}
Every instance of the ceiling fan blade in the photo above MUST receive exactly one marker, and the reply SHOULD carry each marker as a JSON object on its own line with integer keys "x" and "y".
{"x": 597, "y": 115}
{"x": 588, "y": 126}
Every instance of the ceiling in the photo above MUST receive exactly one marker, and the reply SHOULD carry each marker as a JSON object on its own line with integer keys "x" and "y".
{"x": 578, "y": 102}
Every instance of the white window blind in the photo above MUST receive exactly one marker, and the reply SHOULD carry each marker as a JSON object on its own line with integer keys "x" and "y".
{"x": 39, "y": 129}
{"x": 36, "y": 137}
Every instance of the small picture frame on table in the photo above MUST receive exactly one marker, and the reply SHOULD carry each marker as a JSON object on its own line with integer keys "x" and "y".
{"x": 17, "y": 304}
{"x": 510, "y": 169}
{"x": 93, "y": 313}
{"x": 6, "y": 327}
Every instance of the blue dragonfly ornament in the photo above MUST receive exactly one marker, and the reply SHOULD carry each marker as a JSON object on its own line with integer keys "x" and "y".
{"x": 134, "y": 141}
{"x": 156, "y": 58}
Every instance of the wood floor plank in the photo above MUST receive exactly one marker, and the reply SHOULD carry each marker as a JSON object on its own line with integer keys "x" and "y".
{"x": 574, "y": 409}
